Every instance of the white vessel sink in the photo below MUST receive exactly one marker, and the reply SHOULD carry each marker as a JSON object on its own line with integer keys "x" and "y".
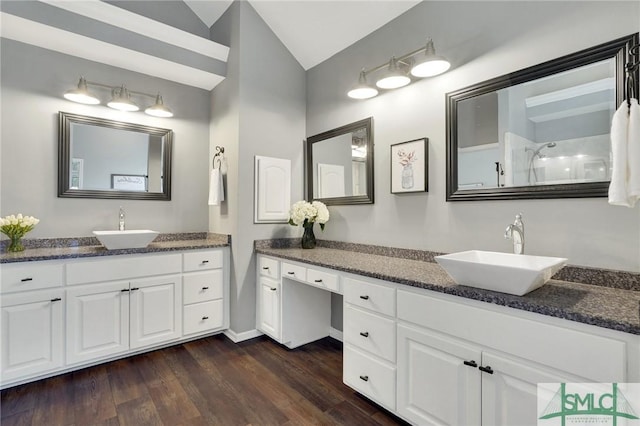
{"x": 505, "y": 272}
{"x": 135, "y": 238}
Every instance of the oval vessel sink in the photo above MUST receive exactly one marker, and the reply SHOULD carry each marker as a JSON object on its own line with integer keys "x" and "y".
{"x": 516, "y": 274}
{"x": 134, "y": 238}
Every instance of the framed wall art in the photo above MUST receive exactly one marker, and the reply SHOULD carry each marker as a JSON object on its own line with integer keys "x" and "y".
{"x": 409, "y": 166}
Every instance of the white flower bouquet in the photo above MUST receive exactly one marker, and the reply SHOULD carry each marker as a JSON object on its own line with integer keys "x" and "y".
{"x": 306, "y": 214}
{"x": 15, "y": 227}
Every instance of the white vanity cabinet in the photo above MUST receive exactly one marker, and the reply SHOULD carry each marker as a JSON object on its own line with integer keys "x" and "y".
{"x": 462, "y": 364}
{"x": 32, "y": 305}
{"x": 63, "y": 315}
{"x": 293, "y": 303}
{"x": 370, "y": 339}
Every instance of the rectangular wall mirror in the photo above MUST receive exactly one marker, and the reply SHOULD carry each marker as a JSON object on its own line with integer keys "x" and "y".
{"x": 340, "y": 165}
{"x": 99, "y": 158}
{"x": 542, "y": 132}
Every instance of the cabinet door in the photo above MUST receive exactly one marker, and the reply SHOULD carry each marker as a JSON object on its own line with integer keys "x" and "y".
{"x": 272, "y": 189}
{"x": 97, "y": 321}
{"x": 509, "y": 395}
{"x": 156, "y": 306}
{"x": 269, "y": 305}
{"x": 32, "y": 333}
{"x": 435, "y": 387}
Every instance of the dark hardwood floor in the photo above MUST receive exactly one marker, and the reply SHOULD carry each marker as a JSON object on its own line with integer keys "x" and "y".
{"x": 210, "y": 381}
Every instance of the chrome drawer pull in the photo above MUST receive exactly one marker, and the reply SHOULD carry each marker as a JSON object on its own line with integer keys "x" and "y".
{"x": 365, "y": 378}
{"x": 24, "y": 280}
{"x": 364, "y": 333}
{"x": 364, "y": 297}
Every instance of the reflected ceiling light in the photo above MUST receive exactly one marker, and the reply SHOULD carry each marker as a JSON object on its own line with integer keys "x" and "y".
{"x": 120, "y": 98}
{"x": 81, "y": 94}
{"x": 431, "y": 64}
{"x": 395, "y": 73}
{"x": 394, "y": 77}
{"x": 362, "y": 90}
{"x": 159, "y": 109}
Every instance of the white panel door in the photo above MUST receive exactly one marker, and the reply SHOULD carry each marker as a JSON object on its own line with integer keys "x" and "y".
{"x": 272, "y": 189}
{"x": 435, "y": 386}
{"x": 330, "y": 181}
{"x": 509, "y": 394}
{"x": 32, "y": 333}
{"x": 156, "y": 310}
{"x": 97, "y": 321}
{"x": 269, "y": 309}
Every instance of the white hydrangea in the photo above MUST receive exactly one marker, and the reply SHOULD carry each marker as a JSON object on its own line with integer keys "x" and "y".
{"x": 304, "y": 212}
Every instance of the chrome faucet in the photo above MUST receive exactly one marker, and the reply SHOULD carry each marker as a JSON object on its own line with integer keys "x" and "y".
{"x": 515, "y": 232}
{"x": 121, "y": 219}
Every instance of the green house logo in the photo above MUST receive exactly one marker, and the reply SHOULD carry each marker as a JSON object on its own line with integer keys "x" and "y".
{"x": 589, "y": 403}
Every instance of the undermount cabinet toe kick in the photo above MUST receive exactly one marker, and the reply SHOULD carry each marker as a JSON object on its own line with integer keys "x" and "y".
{"x": 433, "y": 358}
{"x": 62, "y": 315}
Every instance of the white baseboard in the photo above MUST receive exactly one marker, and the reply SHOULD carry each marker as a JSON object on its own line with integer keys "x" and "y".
{"x": 241, "y": 337}
{"x": 335, "y": 333}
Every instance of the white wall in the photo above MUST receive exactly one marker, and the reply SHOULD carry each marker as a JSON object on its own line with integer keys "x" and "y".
{"x": 33, "y": 82}
{"x": 258, "y": 110}
{"x": 483, "y": 40}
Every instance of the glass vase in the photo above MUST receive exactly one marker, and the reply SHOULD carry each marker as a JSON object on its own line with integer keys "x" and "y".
{"x": 15, "y": 244}
{"x": 308, "y": 238}
{"x": 407, "y": 176}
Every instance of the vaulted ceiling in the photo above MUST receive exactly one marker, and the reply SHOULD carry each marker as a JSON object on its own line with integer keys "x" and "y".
{"x": 313, "y": 30}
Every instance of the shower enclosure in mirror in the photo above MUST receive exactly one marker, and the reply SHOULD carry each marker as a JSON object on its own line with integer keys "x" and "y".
{"x": 542, "y": 132}
{"x": 101, "y": 158}
{"x": 340, "y": 165}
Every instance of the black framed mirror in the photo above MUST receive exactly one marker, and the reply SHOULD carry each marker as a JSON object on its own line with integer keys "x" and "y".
{"x": 339, "y": 165}
{"x": 100, "y": 158}
{"x": 541, "y": 132}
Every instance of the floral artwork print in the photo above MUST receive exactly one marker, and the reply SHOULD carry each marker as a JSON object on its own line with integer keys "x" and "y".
{"x": 409, "y": 166}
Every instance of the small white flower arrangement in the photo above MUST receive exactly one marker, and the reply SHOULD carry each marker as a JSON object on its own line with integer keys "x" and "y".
{"x": 15, "y": 227}
{"x": 306, "y": 214}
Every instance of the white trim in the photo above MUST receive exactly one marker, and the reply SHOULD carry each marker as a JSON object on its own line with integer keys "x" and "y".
{"x": 335, "y": 333}
{"x": 241, "y": 337}
{"x": 37, "y": 34}
{"x": 483, "y": 147}
{"x": 139, "y": 24}
{"x": 572, "y": 92}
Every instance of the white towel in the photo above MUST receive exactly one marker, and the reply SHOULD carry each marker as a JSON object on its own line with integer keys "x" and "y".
{"x": 633, "y": 153}
{"x": 618, "y": 192}
{"x": 216, "y": 189}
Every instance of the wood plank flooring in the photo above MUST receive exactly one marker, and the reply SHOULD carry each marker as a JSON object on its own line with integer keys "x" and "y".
{"x": 210, "y": 381}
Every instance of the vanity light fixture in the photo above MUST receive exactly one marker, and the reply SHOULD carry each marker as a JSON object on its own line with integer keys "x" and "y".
{"x": 397, "y": 70}
{"x": 120, "y": 98}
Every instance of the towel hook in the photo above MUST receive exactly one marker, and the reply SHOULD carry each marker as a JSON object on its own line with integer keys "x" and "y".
{"x": 632, "y": 68}
{"x": 219, "y": 156}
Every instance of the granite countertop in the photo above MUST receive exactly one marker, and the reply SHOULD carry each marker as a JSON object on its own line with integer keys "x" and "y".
{"x": 609, "y": 307}
{"x": 72, "y": 248}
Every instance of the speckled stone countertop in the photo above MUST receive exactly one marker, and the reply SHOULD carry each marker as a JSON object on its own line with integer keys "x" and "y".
{"x": 615, "y": 307}
{"x": 72, "y": 248}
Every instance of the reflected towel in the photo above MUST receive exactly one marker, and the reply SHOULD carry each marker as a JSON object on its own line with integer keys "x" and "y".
{"x": 618, "y": 192}
{"x": 633, "y": 153}
{"x": 216, "y": 189}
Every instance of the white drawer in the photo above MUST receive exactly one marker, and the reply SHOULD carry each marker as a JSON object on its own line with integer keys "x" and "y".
{"x": 201, "y": 260}
{"x": 30, "y": 276}
{"x": 294, "y": 271}
{"x": 122, "y": 267}
{"x": 370, "y": 332}
{"x": 269, "y": 267}
{"x": 201, "y": 317}
{"x": 370, "y": 377}
{"x": 375, "y": 297}
{"x": 202, "y": 286}
{"x": 323, "y": 279}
